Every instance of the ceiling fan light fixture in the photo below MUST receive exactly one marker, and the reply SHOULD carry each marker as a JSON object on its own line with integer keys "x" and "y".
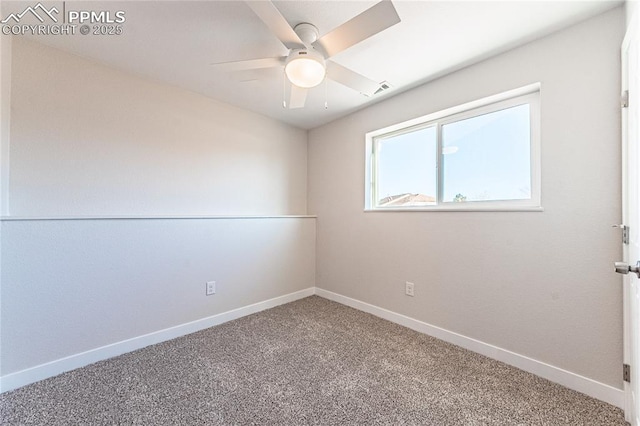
{"x": 305, "y": 68}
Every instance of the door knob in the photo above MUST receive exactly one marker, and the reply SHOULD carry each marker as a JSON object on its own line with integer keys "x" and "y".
{"x": 624, "y": 268}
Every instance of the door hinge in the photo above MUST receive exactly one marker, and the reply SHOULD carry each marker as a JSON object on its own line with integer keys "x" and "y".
{"x": 624, "y": 99}
{"x": 625, "y": 233}
{"x": 626, "y": 373}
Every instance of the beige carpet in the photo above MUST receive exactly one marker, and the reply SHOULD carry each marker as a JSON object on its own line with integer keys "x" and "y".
{"x": 308, "y": 362}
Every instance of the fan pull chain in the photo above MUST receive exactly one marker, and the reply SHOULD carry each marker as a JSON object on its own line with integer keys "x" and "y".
{"x": 326, "y": 103}
{"x": 284, "y": 89}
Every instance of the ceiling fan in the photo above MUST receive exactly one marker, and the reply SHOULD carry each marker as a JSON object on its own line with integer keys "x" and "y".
{"x": 308, "y": 63}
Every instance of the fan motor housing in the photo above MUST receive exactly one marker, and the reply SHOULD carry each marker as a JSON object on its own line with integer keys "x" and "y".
{"x": 306, "y": 54}
{"x": 308, "y": 33}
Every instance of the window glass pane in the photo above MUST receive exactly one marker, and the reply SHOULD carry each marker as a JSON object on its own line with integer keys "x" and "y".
{"x": 406, "y": 169}
{"x": 487, "y": 158}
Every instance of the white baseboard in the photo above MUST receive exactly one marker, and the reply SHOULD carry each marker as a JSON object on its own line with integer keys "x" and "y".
{"x": 565, "y": 378}
{"x": 568, "y": 379}
{"x": 53, "y": 368}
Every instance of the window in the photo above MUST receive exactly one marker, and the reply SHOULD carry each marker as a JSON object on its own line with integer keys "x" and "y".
{"x": 483, "y": 155}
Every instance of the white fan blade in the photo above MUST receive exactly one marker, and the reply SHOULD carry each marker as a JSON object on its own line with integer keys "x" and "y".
{"x": 256, "y": 75}
{"x": 368, "y": 23}
{"x": 297, "y": 97}
{"x": 279, "y": 26}
{"x": 351, "y": 79}
{"x": 251, "y": 64}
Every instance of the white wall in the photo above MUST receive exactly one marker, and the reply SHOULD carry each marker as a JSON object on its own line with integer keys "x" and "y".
{"x": 5, "y": 113}
{"x": 538, "y": 284}
{"x": 70, "y": 286}
{"x": 90, "y": 140}
{"x": 87, "y": 140}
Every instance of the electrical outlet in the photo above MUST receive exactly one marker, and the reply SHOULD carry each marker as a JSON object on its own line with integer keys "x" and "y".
{"x": 408, "y": 288}
{"x": 211, "y": 288}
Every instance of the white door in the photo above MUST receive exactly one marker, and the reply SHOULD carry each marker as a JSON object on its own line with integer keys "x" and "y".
{"x": 631, "y": 216}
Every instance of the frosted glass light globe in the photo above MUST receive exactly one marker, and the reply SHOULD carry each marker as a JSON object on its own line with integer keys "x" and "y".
{"x": 305, "y": 68}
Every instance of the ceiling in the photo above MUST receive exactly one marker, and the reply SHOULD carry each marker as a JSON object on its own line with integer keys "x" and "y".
{"x": 177, "y": 41}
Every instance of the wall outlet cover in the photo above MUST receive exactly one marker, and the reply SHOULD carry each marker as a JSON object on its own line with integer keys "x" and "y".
{"x": 408, "y": 288}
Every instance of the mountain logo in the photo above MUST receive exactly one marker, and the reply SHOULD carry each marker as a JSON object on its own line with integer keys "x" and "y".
{"x": 39, "y": 11}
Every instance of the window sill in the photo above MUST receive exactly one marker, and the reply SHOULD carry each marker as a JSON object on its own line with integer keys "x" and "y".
{"x": 460, "y": 209}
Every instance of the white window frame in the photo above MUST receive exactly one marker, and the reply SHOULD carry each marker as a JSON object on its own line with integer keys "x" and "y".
{"x": 525, "y": 95}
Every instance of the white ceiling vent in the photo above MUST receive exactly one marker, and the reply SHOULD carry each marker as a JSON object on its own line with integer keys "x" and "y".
{"x": 384, "y": 86}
